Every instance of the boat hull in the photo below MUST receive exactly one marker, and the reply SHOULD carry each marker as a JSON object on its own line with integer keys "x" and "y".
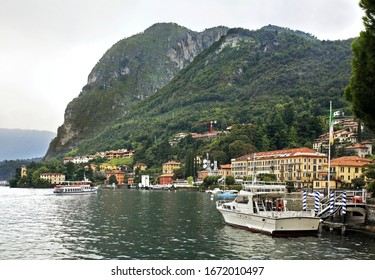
{"x": 273, "y": 225}
{"x": 67, "y": 191}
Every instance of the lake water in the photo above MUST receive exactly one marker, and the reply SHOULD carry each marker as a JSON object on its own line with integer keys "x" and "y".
{"x": 148, "y": 225}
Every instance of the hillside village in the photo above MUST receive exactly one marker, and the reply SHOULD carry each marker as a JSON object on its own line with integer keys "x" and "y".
{"x": 300, "y": 167}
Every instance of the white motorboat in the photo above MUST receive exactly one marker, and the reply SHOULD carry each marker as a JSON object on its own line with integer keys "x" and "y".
{"x": 75, "y": 187}
{"x": 260, "y": 207}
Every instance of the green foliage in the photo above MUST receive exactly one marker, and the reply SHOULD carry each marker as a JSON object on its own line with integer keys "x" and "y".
{"x": 211, "y": 181}
{"x": 121, "y": 161}
{"x": 273, "y": 86}
{"x": 229, "y": 180}
{"x": 112, "y": 180}
{"x": 360, "y": 92}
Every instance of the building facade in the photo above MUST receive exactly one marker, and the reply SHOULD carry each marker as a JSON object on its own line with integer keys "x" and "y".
{"x": 343, "y": 171}
{"x": 120, "y": 176}
{"x": 299, "y": 166}
{"x": 53, "y": 178}
{"x": 170, "y": 166}
{"x": 361, "y": 149}
{"x": 166, "y": 179}
{"x": 121, "y": 153}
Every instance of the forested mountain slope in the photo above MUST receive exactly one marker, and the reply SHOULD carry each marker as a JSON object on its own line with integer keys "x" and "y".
{"x": 129, "y": 72}
{"x": 277, "y": 81}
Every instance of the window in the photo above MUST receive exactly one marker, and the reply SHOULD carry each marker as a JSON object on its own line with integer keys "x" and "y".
{"x": 356, "y": 170}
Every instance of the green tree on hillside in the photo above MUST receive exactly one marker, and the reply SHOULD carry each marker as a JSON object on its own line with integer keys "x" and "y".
{"x": 360, "y": 91}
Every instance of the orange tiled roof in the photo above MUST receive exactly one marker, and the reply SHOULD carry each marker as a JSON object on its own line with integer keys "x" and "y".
{"x": 358, "y": 146}
{"x": 350, "y": 161}
{"x": 284, "y": 153}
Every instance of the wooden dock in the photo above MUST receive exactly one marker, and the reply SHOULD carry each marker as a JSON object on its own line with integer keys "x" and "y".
{"x": 332, "y": 226}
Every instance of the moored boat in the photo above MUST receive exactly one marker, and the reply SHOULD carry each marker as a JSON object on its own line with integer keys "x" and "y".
{"x": 75, "y": 187}
{"x": 260, "y": 207}
{"x": 229, "y": 194}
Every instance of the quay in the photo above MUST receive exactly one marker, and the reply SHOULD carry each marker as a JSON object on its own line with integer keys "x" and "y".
{"x": 347, "y": 211}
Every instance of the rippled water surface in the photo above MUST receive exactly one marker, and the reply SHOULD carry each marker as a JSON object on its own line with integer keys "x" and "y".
{"x": 136, "y": 224}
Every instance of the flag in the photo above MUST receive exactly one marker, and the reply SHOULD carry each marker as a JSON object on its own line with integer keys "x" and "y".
{"x": 330, "y": 124}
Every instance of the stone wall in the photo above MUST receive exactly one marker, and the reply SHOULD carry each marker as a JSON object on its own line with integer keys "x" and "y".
{"x": 370, "y": 215}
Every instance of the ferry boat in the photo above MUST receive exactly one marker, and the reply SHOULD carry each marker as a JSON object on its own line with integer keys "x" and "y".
{"x": 75, "y": 187}
{"x": 261, "y": 207}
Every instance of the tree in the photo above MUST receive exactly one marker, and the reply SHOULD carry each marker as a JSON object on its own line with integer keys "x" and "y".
{"x": 112, "y": 180}
{"x": 358, "y": 183}
{"x": 360, "y": 91}
{"x": 229, "y": 180}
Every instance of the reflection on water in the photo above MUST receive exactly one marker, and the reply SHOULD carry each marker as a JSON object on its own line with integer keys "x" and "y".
{"x": 135, "y": 224}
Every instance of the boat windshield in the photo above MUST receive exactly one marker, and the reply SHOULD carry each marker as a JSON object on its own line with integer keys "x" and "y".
{"x": 244, "y": 199}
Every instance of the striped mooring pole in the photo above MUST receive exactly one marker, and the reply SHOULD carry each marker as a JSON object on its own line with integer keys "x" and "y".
{"x": 317, "y": 201}
{"x": 331, "y": 201}
{"x": 304, "y": 200}
{"x": 343, "y": 203}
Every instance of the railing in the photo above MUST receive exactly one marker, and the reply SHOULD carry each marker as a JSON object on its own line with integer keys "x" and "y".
{"x": 351, "y": 197}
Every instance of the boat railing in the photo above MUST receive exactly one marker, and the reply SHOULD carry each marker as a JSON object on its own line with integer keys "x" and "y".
{"x": 262, "y": 186}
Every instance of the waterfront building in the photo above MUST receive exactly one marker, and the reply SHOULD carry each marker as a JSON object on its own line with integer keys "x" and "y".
{"x": 131, "y": 181}
{"x": 225, "y": 170}
{"x": 170, "y": 166}
{"x": 343, "y": 171}
{"x": 53, "y": 178}
{"x": 166, "y": 179}
{"x": 120, "y": 176}
{"x": 299, "y": 166}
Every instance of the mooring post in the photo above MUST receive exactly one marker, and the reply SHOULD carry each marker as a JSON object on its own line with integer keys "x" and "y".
{"x": 343, "y": 229}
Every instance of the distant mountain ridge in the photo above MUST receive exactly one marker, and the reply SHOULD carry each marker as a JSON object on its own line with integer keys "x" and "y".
{"x": 279, "y": 79}
{"x": 23, "y": 144}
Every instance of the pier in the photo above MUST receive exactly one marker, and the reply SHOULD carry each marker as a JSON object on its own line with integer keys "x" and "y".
{"x": 343, "y": 210}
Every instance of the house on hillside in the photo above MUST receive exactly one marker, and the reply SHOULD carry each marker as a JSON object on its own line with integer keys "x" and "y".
{"x": 170, "y": 166}
{"x": 362, "y": 149}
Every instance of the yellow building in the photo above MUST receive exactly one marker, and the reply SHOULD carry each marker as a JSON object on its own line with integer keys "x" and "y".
{"x": 23, "y": 171}
{"x": 343, "y": 171}
{"x": 300, "y": 165}
{"x": 53, "y": 178}
{"x": 169, "y": 166}
{"x": 107, "y": 167}
{"x": 140, "y": 166}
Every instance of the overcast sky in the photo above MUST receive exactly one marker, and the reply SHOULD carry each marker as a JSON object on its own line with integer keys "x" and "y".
{"x": 48, "y": 47}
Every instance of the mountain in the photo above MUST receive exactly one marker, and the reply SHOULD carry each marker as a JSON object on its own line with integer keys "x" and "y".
{"x": 277, "y": 79}
{"x": 129, "y": 72}
{"x": 23, "y": 144}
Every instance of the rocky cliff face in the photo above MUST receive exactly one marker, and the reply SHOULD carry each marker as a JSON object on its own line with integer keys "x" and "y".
{"x": 132, "y": 70}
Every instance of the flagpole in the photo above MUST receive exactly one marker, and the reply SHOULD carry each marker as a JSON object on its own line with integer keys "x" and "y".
{"x": 329, "y": 146}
